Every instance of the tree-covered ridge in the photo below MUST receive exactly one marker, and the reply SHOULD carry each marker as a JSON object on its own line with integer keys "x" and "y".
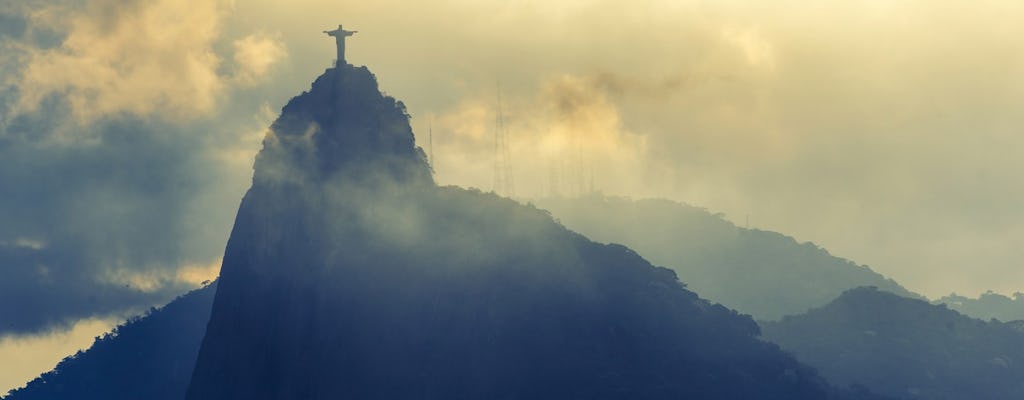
{"x": 762, "y": 273}
{"x": 906, "y": 348}
{"x": 988, "y": 305}
{"x": 150, "y": 356}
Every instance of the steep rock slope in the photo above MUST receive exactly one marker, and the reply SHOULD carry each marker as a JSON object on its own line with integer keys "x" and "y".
{"x": 348, "y": 274}
{"x": 761, "y": 273}
{"x": 906, "y": 348}
{"x": 148, "y": 357}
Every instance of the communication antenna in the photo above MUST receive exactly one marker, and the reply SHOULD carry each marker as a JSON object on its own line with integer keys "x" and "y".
{"x": 579, "y": 166}
{"x": 553, "y": 182}
{"x": 576, "y": 174}
{"x": 430, "y": 143}
{"x": 503, "y": 183}
{"x": 590, "y": 189}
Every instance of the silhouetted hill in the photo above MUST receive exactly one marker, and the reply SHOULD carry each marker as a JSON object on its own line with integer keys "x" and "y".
{"x": 149, "y": 357}
{"x": 348, "y": 274}
{"x": 907, "y": 348}
{"x": 987, "y": 306}
{"x": 761, "y": 273}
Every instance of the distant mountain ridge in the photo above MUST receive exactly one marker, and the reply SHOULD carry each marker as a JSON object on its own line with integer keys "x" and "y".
{"x": 348, "y": 274}
{"x": 906, "y": 348}
{"x": 761, "y": 273}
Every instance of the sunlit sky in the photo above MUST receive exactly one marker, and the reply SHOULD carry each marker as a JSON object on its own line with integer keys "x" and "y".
{"x": 888, "y": 132}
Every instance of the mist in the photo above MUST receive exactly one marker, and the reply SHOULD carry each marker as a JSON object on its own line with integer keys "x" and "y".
{"x": 881, "y": 133}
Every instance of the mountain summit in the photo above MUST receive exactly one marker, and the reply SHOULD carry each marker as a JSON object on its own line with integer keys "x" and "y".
{"x": 343, "y": 129}
{"x": 349, "y": 274}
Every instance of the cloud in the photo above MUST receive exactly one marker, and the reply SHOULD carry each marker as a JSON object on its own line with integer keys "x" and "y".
{"x": 143, "y": 58}
{"x": 122, "y": 182}
{"x": 885, "y": 131}
{"x": 254, "y": 56}
{"x": 849, "y": 124}
{"x": 81, "y": 213}
{"x": 129, "y": 217}
{"x": 565, "y": 135}
{"x": 882, "y": 131}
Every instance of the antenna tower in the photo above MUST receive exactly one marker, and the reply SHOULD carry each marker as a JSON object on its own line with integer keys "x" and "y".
{"x": 430, "y": 143}
{"x": 503, "y": 183}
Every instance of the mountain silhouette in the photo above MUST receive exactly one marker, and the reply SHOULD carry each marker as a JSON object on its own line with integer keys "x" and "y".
{"x": 761, "y": 273}
{"x": 148, "y": 357}
{"x": 906, "y": 348}
{"x": 349, "y": 274}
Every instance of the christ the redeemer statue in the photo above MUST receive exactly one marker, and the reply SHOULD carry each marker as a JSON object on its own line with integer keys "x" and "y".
{"x": 340, "y": 35}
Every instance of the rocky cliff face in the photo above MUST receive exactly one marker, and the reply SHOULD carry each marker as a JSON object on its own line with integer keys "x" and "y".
{"x": 348, "y": 274}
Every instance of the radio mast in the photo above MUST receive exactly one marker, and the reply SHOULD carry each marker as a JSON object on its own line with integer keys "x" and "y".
{"x": 503, "y": 183}
{"x": 430, "y": 142}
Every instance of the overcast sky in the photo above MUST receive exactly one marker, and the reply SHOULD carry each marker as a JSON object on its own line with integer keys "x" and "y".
{"x": 889, "y": 132}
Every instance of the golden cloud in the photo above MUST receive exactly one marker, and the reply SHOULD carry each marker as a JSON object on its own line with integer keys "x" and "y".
{"x": 255, "y": 55}
{"x": 145, "y": 58}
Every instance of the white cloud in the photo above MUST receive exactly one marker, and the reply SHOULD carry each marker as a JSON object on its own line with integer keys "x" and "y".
{"x": 255, "y": 55}
{"x": 840, "y": 122}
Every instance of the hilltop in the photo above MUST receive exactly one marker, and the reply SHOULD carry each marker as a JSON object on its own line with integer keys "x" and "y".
{"x": 906, "y": 348}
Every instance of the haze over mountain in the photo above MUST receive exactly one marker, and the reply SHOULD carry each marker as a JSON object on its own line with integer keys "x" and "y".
{"x": 127, "y": 131}
{"x": 762, "y": 273}
{"x": 349, "y": 274}
{"x": 794, "y": 115}
{"x": 906, "y": 348}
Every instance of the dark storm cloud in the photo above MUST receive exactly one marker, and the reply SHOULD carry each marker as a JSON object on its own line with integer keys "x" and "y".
{"x": 103, "y": 219}
{"x": 126, "y": 141}
{"x": 11, "y": 25}
{"x": 77, "y": 213}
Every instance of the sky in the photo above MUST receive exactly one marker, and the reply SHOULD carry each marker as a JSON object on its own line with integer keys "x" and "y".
{"x": 887, "y": 132}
